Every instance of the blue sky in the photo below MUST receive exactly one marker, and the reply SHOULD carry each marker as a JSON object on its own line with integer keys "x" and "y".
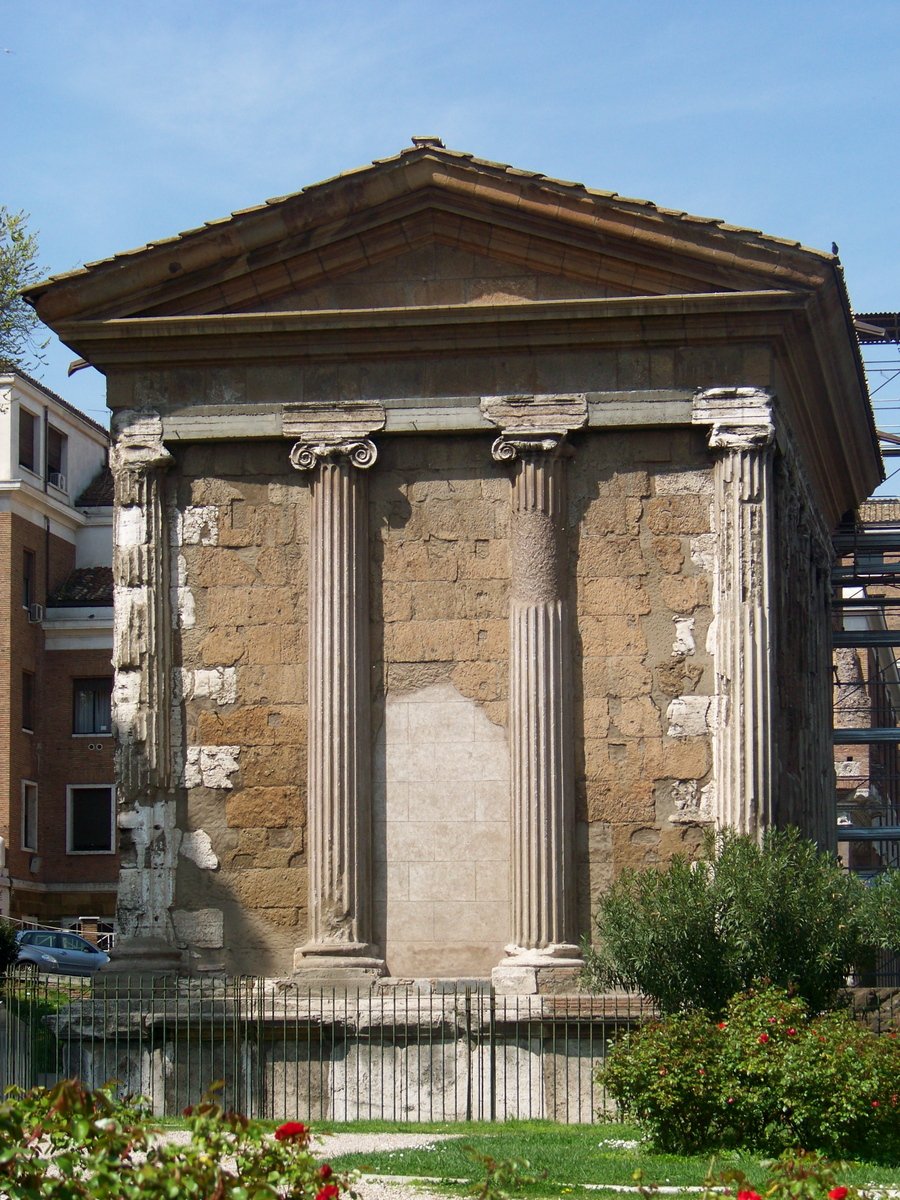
{"x": 124, "y": 121}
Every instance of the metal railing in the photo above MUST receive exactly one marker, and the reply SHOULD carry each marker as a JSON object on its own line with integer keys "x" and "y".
{"x": 282, "y": 1051}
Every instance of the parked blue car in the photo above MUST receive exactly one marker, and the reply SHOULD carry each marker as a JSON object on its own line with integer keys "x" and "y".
{"x": 56, "y": 952}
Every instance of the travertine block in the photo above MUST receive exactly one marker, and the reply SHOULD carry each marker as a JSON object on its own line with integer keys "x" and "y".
{"x": 455, "y": 884}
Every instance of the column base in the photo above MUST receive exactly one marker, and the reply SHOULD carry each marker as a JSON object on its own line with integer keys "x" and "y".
{"x": 550, "y": 970}
{"x": 141, "y": 956}
{"x": 344, "y": 964}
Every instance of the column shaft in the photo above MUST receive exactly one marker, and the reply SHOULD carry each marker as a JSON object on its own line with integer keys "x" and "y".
{"x": 339, "y": 810}
{"x": 339, "y": 774}
{"x": 542, "y": 878}
{"x": 744, "y": 653}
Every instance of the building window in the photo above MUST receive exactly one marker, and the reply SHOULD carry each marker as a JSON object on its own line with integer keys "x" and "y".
{"x": 90, "y": 825}
{"x": 29, "y": 815}
{"x": 29, "y": 579}
{"x": 56, "y": 458}
{"x": 91, "y": 710}
{"x": 28, "y": 427}
{"x": 28, "y": 701}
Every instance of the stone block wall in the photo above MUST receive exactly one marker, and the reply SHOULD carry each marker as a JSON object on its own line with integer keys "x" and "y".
{"x": 239, "y": 524}
{"x": 640, "y": 511}
{"x": 439, "y": 510}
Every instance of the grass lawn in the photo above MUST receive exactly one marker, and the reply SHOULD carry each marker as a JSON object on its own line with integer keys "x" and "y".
{"x": 566, "y": 1157}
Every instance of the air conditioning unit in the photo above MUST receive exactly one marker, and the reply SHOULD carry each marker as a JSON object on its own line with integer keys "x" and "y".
{"x": 58, "y": 480}
{"x": 35, "y": 613}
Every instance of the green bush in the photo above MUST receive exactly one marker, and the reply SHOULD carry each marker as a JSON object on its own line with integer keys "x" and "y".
{"x": 766, "y": 1077}
{"x": 693, "y": 934}
{"x": 9, "y": 947}
{"x": 880, "y": 912}
{"x": 70, "y": 1142}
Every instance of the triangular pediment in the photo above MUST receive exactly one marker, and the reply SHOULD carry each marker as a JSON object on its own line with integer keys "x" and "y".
{"x": 429, "y": 226}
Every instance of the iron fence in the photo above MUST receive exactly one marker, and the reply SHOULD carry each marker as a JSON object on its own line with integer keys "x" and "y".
{"x": 282, "y": 1051}
{"x": 286, "y": 1051}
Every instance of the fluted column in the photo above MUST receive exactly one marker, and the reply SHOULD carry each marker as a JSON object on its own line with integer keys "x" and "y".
{"x": 542, "y": 876}
{"x": 339, "y": 817}
{"x": 743, "y": 436}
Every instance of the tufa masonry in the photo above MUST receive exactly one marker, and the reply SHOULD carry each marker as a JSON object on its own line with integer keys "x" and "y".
{"x": 472, "y": 544}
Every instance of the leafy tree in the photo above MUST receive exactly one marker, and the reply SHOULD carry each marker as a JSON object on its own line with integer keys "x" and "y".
{"x": 692, "y": 935}
{"x": 19, "y": 324}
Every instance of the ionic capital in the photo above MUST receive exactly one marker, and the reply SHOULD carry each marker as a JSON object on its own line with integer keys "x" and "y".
{"x": 507, "y": 448}
{"x": 339, "y": 430}
{"x": 307, "y": 455}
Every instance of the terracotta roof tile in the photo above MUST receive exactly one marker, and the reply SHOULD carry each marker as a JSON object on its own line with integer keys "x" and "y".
{"x": 485, "y": 165}
{"x": 85, "y": 586}
{"x": 99, "y": 492}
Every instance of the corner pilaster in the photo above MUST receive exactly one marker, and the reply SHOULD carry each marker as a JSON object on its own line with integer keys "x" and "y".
{"x": 142, "y": 697}
{"x": 742, "y": 436}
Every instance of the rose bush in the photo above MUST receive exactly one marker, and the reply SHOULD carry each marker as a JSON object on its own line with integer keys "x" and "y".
{"x": 70, "y": 1142}
{"x": 766, "y": 1077}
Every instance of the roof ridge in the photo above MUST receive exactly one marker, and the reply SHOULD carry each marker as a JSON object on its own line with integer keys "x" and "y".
{"x": 457, "y": 157}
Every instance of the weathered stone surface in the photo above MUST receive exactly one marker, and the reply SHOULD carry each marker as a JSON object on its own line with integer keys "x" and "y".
{"x": 265, "y": 807}
{"x": 669, "y": 553}
{"x": 678, "y": 515}
{"x": 261, "y": 888}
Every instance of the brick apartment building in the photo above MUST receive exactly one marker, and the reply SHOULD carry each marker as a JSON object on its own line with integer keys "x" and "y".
{"x": 57, "y": 795}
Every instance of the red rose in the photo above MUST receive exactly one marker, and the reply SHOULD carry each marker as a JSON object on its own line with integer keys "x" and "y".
{"x": 837, "y": 1193}
{"x": 291, "y": 1131}
{"x": 747, "y": 1194}
{"x": 330, "y": 1191}
{"x": 325, "y": 1171}
{"x": 763, "y": 1038}
{"x": 791, "y": 1032}
{"x": 722, "y": 1025}
{"x": 874, "y": 1103}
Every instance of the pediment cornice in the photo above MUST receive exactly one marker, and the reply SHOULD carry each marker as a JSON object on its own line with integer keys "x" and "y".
{"x": 342, "y": 225}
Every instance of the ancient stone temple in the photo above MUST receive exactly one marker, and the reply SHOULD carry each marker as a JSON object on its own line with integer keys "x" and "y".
{"x": 472, "y": 543}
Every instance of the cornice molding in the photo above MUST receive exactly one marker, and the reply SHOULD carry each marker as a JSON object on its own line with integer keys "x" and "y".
{"x": 306, "y": 336}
